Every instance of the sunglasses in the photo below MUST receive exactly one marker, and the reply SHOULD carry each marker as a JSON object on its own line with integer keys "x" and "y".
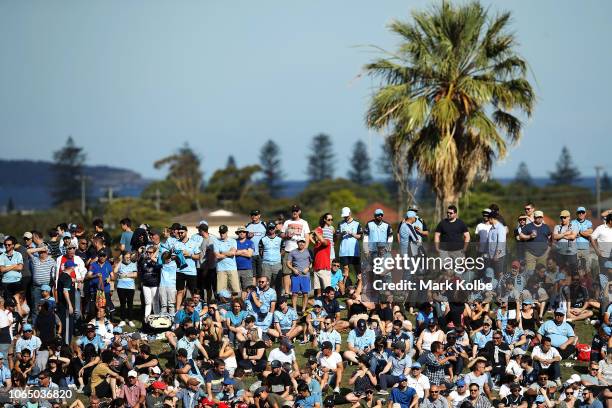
{"x": 580, "y": 212}
{"x": 434, "y": 392}
{"x": 474, "y": 390}
{"x": 329, "y": 219}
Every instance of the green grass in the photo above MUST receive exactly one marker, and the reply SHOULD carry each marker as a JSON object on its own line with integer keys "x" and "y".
{"x": 165, "y": 354}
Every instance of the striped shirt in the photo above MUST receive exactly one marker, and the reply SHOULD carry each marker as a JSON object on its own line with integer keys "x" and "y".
{"x": 328, "y": 233}
{"x": 43, "y": 272}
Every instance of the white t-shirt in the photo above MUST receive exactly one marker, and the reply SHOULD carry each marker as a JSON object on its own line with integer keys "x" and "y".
{"x": 294, "y": 229}
{"x": 419, "y": 384}
{"x": 277, "y": 354}
{"x": 538, "y": 353}
{"x": 603, "y": 236}
{"x": 514, "y": 368}
{"x": 330, "y": 362}
{"x": 458, "y": 398}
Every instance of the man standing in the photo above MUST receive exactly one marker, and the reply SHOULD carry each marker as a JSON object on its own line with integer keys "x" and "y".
{"x": 298, "y": 262}
{"x": 186, "y": 277}
{"x": 256, "y": 230}
{"x": 564, "y": 238}
{"x": 244, "y": 254}
{"x": 126, "y": 235}
{"x": 65, "y": 300}
{"x": 407, "y": 236}
{"x": 227, "y": 270}
{"x": 43, "y": 273}
{"x": 11, "y": 265}
{"x": 270, "y": 253}
{"x": 452, "y": 237}
{"x": 378, "y": 232}
{"x": 78, "y": 277}
{"x": 601, "y": 239}
{"x": 207, "y": 274}
{"x": 584, "y": 229}
{"x": 537, "y": 237}
{"x": 482, "y": 231}
{"x": 496, "y": 244}
{"x": 292, "y": 230}
{"x": 349, "y": 233}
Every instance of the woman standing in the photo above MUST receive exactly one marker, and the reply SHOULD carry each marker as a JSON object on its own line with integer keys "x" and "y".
{"x": 125, "y": 272}
{"x": 149, "y": 271}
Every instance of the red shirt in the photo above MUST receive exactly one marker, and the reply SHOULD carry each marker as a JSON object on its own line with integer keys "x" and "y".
{"x": 322, "y": 255}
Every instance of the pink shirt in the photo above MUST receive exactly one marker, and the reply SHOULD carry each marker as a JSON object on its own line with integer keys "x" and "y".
{"x": 132, "y": 394}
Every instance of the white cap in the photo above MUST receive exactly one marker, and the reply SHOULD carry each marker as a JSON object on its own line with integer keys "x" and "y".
{"x": 575, "y": 378}
{"x": 156, "y": 370}
{"x": 132, "y": 373}
{"x": 345, "y": 212}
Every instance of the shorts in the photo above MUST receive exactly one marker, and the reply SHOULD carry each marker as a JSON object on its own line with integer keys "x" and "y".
{"x": 286, "y": 270}
{"x": 300, "y": 284}
{"x": 103, "y": 390}
{"x": 246, "y": 278}
{"x": 190, "y": 280}
{"x": 350, "y": 260}
{"x": 322, "y": 279}
{"x": 270, "y": 270}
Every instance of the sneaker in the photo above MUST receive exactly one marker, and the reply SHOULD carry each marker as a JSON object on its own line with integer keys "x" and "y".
{"x": 337, "y": 390}
{"x": 383, "y": 392}
{"x": 79, "y": 390}
{"x": 303, "y": 341}
{"x": 131, "y": 324}
{"x": 121, "y": 323}
{"x": 341, "y": 307}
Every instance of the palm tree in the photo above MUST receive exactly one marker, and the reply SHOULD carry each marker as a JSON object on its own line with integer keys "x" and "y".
{"x": 449, "y": 92}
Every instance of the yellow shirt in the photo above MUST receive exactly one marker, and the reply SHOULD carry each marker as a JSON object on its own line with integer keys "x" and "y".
{"x": 99, "y": 374}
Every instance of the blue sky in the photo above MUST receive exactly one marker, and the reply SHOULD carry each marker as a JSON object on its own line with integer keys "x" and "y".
{"x": 131, "y": 81}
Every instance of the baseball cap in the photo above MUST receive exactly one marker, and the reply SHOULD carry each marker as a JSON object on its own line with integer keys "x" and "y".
{"x": 413, "y": 207}
{"x": 240, "y": 229}
{"x": 102, "y": 253}
{"x": 402, "y": 377}
{"x": 255, "y": 212}
{"x": 271, "y": 225}
{"x": 460, "y": 382}
{"x": 564, "y": 213}
{"x": 275, "y": 364}
{"x": 27, "y": 235}
{"x": 117, "y": 330}
{"x": 182, "y": 228}
{"x": 411, "y": 214}
{"x": 580, "y": 209}
{"x": 72, "y": 227}
{"x": 379, "y": 211}
{"x": 229, "y": 381}
{"x": 607, "y": 329}
{"x": 327, "y": 345}
{"x": 27, "y": 327}
{"x": 574, "y": 378}
{"x": 301, "y": 239}
{"x": 345, "y": 212}
{"x": 132, "y": 373}
{"x": 528, "y": 301}
{"x": 487, "y": 320}
{"x": 69, "y": 264}
{"x": 538, "y": 213}
{"x": 175, "y": 226}
{"x": 486, "y": 211}
{"x": 71, "y": 244}
{"x": 202, "y": 222}
{"x": 67, "y": 235}
{"x": 159, "y": 385}
{"x": 287, "y": 344}
{"x": 318, "y": 303}
{"x": 295, "y": 207}
{"x": 559, "y": 311}
{"x": 518, "y": 352}
{"x": 90, "y": 327}
{"x": 540, "y": 399}
{"x": 222, "y": 229}
{"x": 515, "y": 386}
{"x": 259, "y": 391}
{"x": 416, "y": 364}
{"x": 45, "y": 288}
{"x": 224, "y": 293}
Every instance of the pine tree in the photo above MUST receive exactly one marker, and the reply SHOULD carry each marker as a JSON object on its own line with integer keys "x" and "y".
{"x": 270, "y": 161}
{"x": 360, "y": 165}
{"x": 566, "y": 173}
{"x": 606, "y": 184}
{"x": 184, "y": 171}
{"x": 231, "y": 162}
{"x": 523, "y": 177}
{"x": 321, "y": 158}
{"x": 67, "y": 169}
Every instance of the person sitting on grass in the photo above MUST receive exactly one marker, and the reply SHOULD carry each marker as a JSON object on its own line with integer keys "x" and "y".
{"x": 362, "y": 380}
{"x": 328, "y": 333}
{"x": 314, "y": 323}
{"x": 253, "y": 353}
{"x": 286, "y": 355}
{"x": 279, "y": 381}
{"x": 331, "y": 364}
{"x": 406, "y": 397}
{"x": 104, "y": 380}
{"x": 360, "y": 341}
{"x": 187, "y": 369}
{"x": 305, "y": 399}
{"x": 285, "y": 321}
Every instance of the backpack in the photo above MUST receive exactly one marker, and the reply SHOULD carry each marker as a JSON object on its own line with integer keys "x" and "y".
{"x": 584, "y": 352}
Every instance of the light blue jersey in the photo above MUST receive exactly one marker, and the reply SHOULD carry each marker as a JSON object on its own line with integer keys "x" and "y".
{"x": 349, "y": 245}
{"x": 191, "y": 247}
{"x": 225, "y": 264}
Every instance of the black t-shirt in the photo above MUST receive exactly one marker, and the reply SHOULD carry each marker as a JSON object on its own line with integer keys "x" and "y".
{"x": 511, "y": 400}
{"x": 331, "y": 308}
{"x": 140, "y": 361}
{"x": 277, "y": 383}
{"x": 252, "y": 349}
{"x": 64, "y": 282}
{"x": 451, "y": 234}
{"x": 596, "y": 347}
{"x": 489, "y": 352}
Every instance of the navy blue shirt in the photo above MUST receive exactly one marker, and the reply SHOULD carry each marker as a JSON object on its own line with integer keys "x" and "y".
{"x": 242, "y": 262}
{"x": 537, "y": 246}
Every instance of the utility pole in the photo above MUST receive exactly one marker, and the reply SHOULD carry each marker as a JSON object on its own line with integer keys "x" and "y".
{"x": 110, "y": 195}
{"x": 83, "y": 198}
{"x": 598, "y": 169}
{"x": 157, "y": 200}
